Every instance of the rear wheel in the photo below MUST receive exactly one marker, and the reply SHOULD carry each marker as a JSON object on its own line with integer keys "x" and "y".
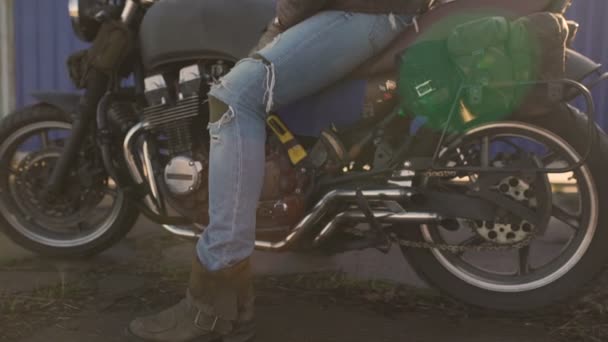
{"x": 88, "y": 216}
{"x": 563, "y": 253}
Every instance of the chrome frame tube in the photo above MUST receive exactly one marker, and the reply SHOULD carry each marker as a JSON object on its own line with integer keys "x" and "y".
{"x": 129, "y": 157}
{"x": 128, "y": 11}
{"x": 381, "y": 216}
{"x": 150, "y": 174}
{"x": 74, "y": 11}
{"x": 181, "y": 232}
{"x": 132, "y": 165}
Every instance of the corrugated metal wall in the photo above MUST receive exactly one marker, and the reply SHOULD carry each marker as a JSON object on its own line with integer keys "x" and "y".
{"x": 44, "y": 39}
{"x": 7, "y": 76}
{"x": 593, "y": 42}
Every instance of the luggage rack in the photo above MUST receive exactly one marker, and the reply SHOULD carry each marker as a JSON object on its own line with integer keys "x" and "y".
{"x": 563, "y": 84}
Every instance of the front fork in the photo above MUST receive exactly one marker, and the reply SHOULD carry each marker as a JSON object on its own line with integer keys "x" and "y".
{"x": 97, "y": 84}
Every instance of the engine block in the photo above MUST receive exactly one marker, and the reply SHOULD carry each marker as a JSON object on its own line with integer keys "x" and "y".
{"x": 174, "y": 120}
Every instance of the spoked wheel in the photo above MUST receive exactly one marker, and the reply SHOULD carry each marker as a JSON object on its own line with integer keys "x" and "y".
{"x": 86, "y": 217}
{"x": 512, "y": 263}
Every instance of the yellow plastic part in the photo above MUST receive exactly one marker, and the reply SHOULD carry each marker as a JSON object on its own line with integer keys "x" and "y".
{"x": 296, "y": 152}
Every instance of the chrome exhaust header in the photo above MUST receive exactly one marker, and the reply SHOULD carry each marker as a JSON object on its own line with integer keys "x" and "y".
{"x": 150, "y": 201}
{"x": 323, "y": 207}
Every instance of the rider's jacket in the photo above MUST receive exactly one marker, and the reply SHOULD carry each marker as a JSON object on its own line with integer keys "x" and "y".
{"x": 291, "y": 12}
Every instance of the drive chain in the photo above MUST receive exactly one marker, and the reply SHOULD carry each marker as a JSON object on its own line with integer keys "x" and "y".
{"x": 456, "y": 249}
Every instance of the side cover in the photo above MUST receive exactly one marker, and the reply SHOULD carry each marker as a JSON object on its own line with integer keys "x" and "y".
{"x": 181, "y": 30}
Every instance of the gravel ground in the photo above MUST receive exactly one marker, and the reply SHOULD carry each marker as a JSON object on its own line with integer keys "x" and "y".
{"x": 93, "y": 300}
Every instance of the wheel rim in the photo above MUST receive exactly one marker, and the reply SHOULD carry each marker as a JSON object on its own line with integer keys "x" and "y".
{"x": 570, "y": 255}
{"x": 92, "y": 223}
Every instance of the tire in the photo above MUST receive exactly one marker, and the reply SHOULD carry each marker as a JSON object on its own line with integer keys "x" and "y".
{"x": 569, "y": 124}
{"x": 123, "y": 216}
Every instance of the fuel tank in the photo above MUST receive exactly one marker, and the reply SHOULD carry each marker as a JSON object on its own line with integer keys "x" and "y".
{"x": 185, "y": 30}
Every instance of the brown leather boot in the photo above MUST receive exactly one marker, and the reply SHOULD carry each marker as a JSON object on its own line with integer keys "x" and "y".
{"x": 218, "y": 307}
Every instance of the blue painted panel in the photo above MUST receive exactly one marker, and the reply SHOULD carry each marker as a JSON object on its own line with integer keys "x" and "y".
{"x": 43, "y": 41}
{"x": 341, "y": 105}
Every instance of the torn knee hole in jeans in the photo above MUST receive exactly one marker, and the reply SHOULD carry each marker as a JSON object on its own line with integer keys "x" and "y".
{"x": 270, "y": 81}
{"x": 215, "y": 127}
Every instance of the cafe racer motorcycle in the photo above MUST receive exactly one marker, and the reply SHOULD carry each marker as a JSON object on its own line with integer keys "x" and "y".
{"x": 504, "y": 214}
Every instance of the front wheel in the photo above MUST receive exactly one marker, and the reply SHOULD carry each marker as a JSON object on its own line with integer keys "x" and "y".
{"x": 87, "y": 217}
{"x": 549, "y": 262}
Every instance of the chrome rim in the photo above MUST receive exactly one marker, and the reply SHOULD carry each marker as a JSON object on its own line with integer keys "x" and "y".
{"x": 528, "y": 276}
{"x": 80, "y": 228}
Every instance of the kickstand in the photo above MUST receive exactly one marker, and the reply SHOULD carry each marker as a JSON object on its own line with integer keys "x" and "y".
{"x": 384, "y": 241}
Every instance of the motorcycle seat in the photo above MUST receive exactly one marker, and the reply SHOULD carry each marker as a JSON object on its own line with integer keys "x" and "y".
{"x": 438, "y": 22}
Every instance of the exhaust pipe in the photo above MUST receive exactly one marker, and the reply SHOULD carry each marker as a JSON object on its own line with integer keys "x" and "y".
{"x": 321, "y": 209}
{"x": 382, "y": 217}
{"x": 318, "y": 212}
{"x": 149, "y": 201}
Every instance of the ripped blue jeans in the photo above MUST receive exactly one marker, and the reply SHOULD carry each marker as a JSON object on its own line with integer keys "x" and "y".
{"x": 301, "y": 61}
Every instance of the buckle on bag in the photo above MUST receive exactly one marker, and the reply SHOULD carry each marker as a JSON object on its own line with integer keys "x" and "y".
{"x": 415, "y": 23}
{"x": 425, "y": 88}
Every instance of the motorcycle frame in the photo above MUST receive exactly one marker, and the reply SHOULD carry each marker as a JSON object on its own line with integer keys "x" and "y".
{"x": 561, "y": 84}
{"x": 101, "y": 90}
{"x": 152, "y": 198}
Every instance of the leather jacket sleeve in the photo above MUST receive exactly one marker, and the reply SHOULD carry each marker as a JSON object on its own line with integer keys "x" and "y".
{"x": 289, "y": 13}
{"x": 292, "y": 12}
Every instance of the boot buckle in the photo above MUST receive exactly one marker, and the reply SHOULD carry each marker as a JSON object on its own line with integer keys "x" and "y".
{"x": 197, "y": 322}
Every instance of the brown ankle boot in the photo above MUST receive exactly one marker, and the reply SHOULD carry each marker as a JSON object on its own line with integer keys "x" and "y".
{"x": 218, "y": 307}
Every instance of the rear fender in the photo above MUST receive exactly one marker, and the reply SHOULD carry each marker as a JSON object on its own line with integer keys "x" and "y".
{"x": 579, "y": 66}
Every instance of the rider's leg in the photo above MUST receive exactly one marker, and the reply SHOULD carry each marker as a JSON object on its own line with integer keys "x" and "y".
{"x": 301, "y": 61}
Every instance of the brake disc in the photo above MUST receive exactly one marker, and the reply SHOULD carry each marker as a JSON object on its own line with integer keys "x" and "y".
{"x": 30, "y": 182}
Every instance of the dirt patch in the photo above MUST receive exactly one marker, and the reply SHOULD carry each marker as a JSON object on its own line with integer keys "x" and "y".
{"x": 585, "y": 320}
{"x": 23, "y": 314}
{"x": 141, "y": 282}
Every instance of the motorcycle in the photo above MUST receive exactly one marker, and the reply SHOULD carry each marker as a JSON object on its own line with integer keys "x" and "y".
{"x": 503, "y": 214}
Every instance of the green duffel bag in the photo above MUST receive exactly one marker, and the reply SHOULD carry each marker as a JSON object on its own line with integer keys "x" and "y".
{"x": 483, "y": 56}
{"x": 479, "y": 50}
{"x": 474, "y": 36}
{"x": 537, "y": 46}
{"x": 428, "y": 82}
{"x": 430, "y": 79}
